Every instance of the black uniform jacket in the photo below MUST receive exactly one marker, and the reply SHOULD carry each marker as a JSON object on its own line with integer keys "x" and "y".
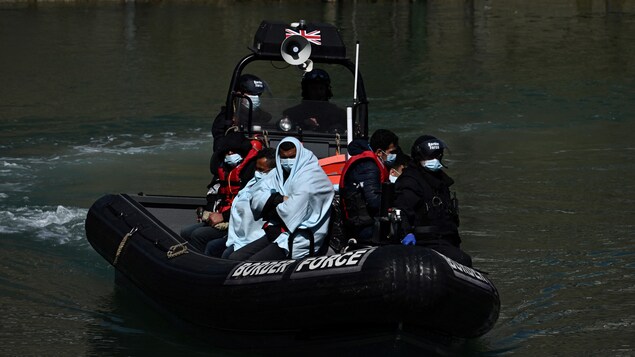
{"x": 427, "y": 208}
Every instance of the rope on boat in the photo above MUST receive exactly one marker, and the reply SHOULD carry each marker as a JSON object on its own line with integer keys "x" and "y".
{"x": 265, "y": 134}
{"x": 123, "y": 242}
{"x": 176, "y": 250}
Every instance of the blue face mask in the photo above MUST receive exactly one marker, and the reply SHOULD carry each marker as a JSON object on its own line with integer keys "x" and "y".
{"x": 259, "y": 175}
{"x": 287, "y": 164}
{"x": 432, "y": 165}
{"x": 255, "y": 101}
{"x": 390, "y": 158}
{"x": 233, "y": 159}
{"x": 394, "y": 174}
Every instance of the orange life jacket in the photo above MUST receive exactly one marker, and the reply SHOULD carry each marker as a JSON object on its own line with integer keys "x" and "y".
{"x": 230, "y": 182}
{"x": 366, "y": 155}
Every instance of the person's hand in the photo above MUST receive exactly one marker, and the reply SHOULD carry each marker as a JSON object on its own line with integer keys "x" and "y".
{"x": 409, "y": 239}
{"x": 312, "y": 123}
{"x": 284, "y": 198}
{"x": 214, "y": 218}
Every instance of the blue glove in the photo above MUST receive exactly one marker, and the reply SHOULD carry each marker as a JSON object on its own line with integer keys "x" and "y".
{"x": 409, "y": 239}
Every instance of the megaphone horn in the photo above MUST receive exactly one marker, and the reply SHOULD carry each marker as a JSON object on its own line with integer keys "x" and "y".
{"x": 295, "y": 50}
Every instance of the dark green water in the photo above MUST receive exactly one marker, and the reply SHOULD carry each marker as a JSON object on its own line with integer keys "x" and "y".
{"x": 534, "y": 98}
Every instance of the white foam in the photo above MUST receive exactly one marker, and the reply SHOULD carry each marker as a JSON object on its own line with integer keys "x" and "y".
{"x": 58, "y": 224}
{"x": 8, "y": 167}
{"x": 10, "y": 164}
{"x": 128, "y": 144}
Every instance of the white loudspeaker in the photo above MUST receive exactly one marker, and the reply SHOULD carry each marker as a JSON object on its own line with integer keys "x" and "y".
{"x": 295, "y": 50}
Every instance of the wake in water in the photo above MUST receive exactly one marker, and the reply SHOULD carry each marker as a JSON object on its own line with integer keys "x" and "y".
{"x": 128, "y": 144}
{"x": 23, "y": 180}
{"x": 59, "y": 225}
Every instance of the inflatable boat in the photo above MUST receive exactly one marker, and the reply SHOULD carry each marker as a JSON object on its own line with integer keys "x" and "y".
{"x": 391, "y": 287}
{"x": 387, "y": 288}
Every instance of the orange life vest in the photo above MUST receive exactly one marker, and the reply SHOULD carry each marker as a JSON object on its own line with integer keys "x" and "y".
{"x": 366, "y": 155}
{"x": 230, "y": 182}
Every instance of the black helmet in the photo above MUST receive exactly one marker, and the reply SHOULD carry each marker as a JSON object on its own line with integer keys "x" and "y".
{"x": 250, "y": 84}
{"x": 427, "y": 147}
{"x": 316, "y": 76}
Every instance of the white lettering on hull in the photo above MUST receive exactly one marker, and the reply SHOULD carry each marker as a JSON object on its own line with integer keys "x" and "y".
{"x": 252, "y": 272}
{"x": 258, "y": 271}
{"x": 468, "y": 274}
{"x": 348, "y": 262}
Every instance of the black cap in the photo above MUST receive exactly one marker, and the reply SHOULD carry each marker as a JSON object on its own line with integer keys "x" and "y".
{"x": 427, "y": 147}
{"x": 250, "y": 84}
{"x": 316, "y": 75}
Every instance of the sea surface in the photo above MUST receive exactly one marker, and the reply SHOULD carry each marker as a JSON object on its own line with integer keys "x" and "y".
{"x": 536, "y": 100}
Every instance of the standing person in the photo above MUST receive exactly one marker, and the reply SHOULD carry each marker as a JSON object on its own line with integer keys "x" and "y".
{"x": 295, "y": 203}
{"x": 422, "y": 193}
{"x": 249, "y": 89}
{"x": 232, "y": 165}
{"x": 361, "y": 180}
{"x": 315, "y": 112}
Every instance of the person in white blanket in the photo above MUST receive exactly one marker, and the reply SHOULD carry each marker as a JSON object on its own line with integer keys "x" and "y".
{"x": 294, "y": 202}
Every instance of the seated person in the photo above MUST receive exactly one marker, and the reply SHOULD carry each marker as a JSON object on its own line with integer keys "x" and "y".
{"x": 233, "y": 165}
{"x": 361, "y": 181}
{"x": 396, "y": 168}
{"x": 243, "y": 227}
{"x": 315, "y": 112}
{"x": 430, "y": 215}
{"x": 295, "y": 203}
{"x": 252, "y": 88}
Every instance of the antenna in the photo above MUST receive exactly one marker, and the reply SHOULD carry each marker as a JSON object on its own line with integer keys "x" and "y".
{"x": 356, "y": 71}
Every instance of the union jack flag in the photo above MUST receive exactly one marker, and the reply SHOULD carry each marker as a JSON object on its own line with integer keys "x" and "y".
{"x": 313, "y": 36}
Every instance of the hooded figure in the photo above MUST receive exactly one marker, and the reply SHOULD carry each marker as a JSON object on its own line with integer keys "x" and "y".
{"x": 244, "y": 228}
{"x": 304, "y": 207}
{"x": 232, "y": 166}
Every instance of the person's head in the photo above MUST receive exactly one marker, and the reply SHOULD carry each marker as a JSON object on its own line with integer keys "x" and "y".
{"x": 384, "y": 144}
{"x": 252, "y": 87}
{"x": 265, "y": 160}
{"x": 428, "y": 151}
{"x": 234, "y": 147}
{"x": 287, "y": 152}
{"x": 397, "y": 167}
{"x": 233, "y": 158}
{"x": 316, "y": 85}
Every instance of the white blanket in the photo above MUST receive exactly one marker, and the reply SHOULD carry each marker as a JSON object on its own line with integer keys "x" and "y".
{"x": 243, "y": 227}
{"x": 309, "y": 193}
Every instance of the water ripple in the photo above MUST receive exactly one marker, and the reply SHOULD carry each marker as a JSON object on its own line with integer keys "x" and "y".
{"x": 59, "y": 224}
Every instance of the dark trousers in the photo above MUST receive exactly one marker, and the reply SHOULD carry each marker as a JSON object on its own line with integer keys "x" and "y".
{"x": 259, "y": 250}
{"x": 200, "y": 234}
{"x": 216, "y": 247}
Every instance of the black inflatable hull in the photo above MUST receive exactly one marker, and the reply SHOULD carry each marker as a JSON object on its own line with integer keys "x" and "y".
{"x": 410, "y": 287}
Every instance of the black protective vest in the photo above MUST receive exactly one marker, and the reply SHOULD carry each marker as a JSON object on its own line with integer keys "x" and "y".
{"x": 436, "y": 213}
